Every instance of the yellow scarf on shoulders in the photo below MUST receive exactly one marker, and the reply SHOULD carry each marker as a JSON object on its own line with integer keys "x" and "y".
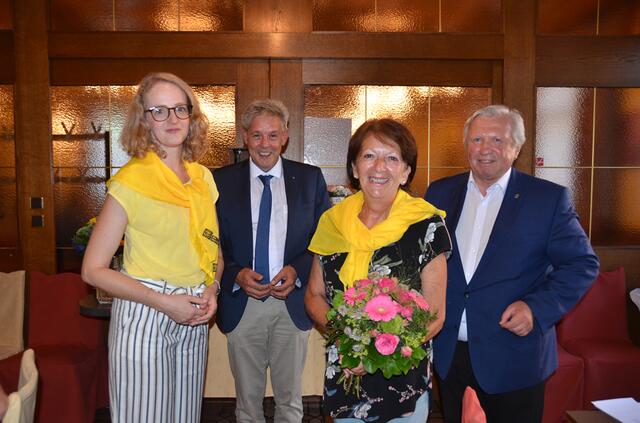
{"x": 340, "y": 230}
{"x": 150, "y": 177}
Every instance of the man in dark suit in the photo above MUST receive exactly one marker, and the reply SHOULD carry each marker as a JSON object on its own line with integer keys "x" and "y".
{"x": 268, "y": 210}
{"x": 520, "y": 261}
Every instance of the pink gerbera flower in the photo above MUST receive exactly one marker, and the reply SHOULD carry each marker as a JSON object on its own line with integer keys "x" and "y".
{"x": 381, "y": 307}
{"x": 364, "y": 282}
{"x": 419, "y": 300}
{"x": 352, "y": 295}
{"x": 407, "y": 312}
{"x": 387, "y": 285}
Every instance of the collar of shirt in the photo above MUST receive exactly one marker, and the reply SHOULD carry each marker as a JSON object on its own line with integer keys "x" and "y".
{"x": 275, "y": 171}
{"x": 499, "y": 184}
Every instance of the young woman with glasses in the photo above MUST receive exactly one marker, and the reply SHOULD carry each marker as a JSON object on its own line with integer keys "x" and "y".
{"x": 164, "y": 204}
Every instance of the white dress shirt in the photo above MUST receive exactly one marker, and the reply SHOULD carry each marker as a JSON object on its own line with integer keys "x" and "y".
{"x": 279, "y": 213}
{"x": 474, "y": 228}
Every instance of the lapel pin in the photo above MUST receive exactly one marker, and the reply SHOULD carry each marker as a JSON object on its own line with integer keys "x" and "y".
{"x": 516, "y": 196}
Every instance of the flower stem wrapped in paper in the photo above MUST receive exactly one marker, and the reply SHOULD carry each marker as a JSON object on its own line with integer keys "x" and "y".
{"x": 380, "y": 323}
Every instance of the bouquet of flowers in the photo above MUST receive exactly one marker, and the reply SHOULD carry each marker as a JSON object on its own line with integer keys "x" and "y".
{"x": 81, "y": 238}
{"x": 338, "y": 193}
{"x": 380, "y": 323}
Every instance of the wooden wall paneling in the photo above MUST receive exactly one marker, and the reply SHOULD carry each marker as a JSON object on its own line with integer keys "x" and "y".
{"x": 276, "y": 45}
{"x": 252, "y": 84}
{"x": 10, "y": 260}
{"x": 278, "y": 16}
{"x": 287, "y": 86}
{"x": 7, "y": 70}
{"x": 588, "y": 61}
{"x": 130, "y": 71}
{"x": 519, "y": 69}
{"x": 497, "y": 94}
{"x": 473, "y": 73}
{"x": 33, "y": 135}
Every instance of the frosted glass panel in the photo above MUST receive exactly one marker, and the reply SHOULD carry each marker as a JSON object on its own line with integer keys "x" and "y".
{"x": 140, "y": 15}
{"x": 211, "y": 15}
{"x": 329, "y": 101}
{"x": 119, "y": 99}
{"x": 616, "y": 215}
{"x": 434, "y": 115}
{"x": 8, "y": 194}
{"x": 326, "y": 141}
{"x": 84, "y": 160}
{"x": 450, "y": 108}
{"x": 218, "y": 103}
{"x": 78, "y": 196}
{"x": 71, "y": 15}
{"x": 564, "y": 126}
{"x": 407, "y": 16}
{"x": 7, "y": 142}
{"x": 578, "y": 181}
{"x": 335, "y": 175}
{"x": 617, "y": 137}
{"x": 340, "y": 15}
{"x": 568, "y": 17}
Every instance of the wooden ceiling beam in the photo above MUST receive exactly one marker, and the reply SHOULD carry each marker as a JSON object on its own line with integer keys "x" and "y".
{"x": 580, "y": 61}
{"x": 275, "y": 45}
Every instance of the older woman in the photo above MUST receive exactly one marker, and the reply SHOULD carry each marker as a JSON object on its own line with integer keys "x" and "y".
{"x": 163, "y": 202}
{"x": 380, "y": 229}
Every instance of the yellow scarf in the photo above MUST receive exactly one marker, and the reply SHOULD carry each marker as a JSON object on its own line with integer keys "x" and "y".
{"x": 340, "y": 230}
{"x": 152, "y": 178}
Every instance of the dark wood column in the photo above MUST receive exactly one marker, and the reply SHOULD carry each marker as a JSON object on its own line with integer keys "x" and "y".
{"x": 519, "y": 69}
{"x": 252, "y": 84}
{"x": 287, "y": 86}
{"x": 33, "y": 136}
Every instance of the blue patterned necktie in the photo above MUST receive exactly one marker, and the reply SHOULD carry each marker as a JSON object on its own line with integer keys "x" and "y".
{"x": 261, "y": 255}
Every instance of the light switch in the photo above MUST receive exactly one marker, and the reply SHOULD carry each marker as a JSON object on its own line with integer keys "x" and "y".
{"x": 37, "y": 203}
{"x": 37, "y": 221}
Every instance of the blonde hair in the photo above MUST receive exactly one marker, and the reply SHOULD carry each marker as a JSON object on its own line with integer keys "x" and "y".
{"x": 267, "y": 106}
{"x": 499, "y": 110}
{"x": 136, "y": 137}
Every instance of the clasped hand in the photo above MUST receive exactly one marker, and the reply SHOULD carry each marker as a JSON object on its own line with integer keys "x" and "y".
{"x": 279, "y": 287}
{"x": 190, "y": 309}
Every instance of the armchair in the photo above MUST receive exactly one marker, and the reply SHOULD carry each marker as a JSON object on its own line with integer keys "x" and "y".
{"x": 596, "y": 330}
{"x": 70, "y": 350}
{"x": 11, "y": 313}
{"x": 22, "y": 403}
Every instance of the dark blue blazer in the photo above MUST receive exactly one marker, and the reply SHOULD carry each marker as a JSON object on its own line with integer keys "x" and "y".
{"x": 537, "y": 253}
{"x": 307, "y": 199}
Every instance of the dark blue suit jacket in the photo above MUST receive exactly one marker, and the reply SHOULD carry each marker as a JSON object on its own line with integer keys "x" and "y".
{"x": 307, "y": 199}
{"x": 538, "y": 253}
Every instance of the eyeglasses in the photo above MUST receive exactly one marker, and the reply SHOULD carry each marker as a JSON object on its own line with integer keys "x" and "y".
{"x": 161, "y": 113}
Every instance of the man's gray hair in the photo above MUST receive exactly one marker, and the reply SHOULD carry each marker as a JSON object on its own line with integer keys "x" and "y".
{"x": 267, "y": 106}
{"x": 499, "y": 110}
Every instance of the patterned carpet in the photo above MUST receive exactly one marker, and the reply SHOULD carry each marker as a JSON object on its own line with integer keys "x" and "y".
{"x": 221, "y": 410}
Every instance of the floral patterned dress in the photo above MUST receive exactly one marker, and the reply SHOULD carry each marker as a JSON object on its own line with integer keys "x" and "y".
{"x": 383, "y": 399}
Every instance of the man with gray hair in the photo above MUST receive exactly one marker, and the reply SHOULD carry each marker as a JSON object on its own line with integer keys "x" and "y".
{"x": 268, "y": 210}
{"x": 520, "y": 261}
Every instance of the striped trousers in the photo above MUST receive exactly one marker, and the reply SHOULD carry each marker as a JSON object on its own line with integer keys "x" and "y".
{"x": 156, "y": 366}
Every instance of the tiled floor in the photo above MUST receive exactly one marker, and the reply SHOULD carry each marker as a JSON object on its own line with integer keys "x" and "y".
{"x": 221, "y": 410}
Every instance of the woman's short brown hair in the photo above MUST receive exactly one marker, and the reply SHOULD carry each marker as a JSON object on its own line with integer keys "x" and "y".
{"x": 387, "y": 131}
{"x": 136, "y": 136}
